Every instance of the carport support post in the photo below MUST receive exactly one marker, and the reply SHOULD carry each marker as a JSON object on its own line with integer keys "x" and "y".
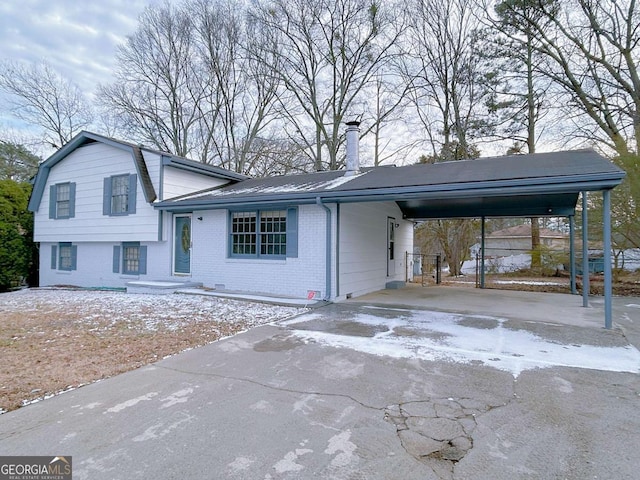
{"x": 572, "y": 253}
{"x": 585, "y": 252}
{"x": 482, "y": 234}
{"x": 606, "y": 214}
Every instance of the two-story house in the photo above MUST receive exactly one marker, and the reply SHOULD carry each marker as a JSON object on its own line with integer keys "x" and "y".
{"x": 94, "y": 210}
{"x": 108, "y": 213}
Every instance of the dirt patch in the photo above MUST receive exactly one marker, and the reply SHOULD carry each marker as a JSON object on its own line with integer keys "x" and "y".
{"x": 55, "y": 340}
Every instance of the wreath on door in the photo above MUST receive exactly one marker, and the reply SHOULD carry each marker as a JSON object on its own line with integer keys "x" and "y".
{"x": 186, "y": 237}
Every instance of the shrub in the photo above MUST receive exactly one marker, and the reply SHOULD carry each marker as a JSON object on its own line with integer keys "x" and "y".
{"x": 17, "y": 249}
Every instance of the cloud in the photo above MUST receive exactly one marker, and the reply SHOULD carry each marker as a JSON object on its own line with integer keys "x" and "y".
{"x": 79, "y": 39}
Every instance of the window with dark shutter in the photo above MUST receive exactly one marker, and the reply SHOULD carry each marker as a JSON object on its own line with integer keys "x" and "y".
{"x": 264, "y": 233}
{"x": 119, "y": 195}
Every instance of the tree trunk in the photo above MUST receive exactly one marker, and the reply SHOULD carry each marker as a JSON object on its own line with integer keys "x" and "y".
{"x": 536, "y": 257}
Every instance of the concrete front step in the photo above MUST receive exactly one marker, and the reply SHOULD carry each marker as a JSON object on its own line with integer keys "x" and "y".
{"x": 159, "y": 287}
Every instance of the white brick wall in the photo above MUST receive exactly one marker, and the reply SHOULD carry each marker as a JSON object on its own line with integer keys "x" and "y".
{"x": 291, "y": 276}
{"x": 95, "y": 265}
{"x": 362, "y": 256}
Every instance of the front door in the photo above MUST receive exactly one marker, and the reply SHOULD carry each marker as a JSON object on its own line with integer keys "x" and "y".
{"x": 182, "y": 245}
{"x": 391, "y": 239}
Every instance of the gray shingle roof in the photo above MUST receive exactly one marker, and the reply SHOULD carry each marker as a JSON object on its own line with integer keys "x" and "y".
{"x": 426, "y": 191}
{"x": 84, "y": 138}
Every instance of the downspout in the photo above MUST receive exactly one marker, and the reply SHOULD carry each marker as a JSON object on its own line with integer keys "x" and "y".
{"x": 327, "y": 296}
{"x": 482, "y": 243}
{"x": 572, "y": 253}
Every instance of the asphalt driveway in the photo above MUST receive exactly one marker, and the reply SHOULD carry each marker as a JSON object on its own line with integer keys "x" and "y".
{"x": 359, "y": 391}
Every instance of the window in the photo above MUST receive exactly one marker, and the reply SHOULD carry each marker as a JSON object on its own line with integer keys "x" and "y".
{"x": 273, "y": 232}
{"x": 243, "y": 236}
{"x": 64, "y": 250}
{"x": 120, "y": 195}
{"x": 62, "y": 200}
{"x": 264, "y": 233}
{"x": 64, "y": 256}
{"x": 130, "y": 258}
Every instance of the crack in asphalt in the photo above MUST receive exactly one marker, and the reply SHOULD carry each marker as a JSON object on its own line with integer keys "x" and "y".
{"x": 438, "y": 432}
{"x": 275, "y": 388}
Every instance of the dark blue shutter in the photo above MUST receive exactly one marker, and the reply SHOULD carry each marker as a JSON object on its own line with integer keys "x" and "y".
{"x": 116, "y": 259}
{"x": 54, "y": 256}
{"x": 52, "y": 200}
{"x": 106, "y": 197}
{"x": 133, "y": 188}
{"x": 292, "y": 232}
{"x": 142, "y": 262}
{"x": 74, "y": 257}
{"x": 72, "y": 200}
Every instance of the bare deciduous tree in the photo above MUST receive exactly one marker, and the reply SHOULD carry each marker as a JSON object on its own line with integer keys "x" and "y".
{"x": 154, "y": 94}
{"x": 189, "y": 82}
{"x": 444, "y": 64}
{"x": 591, "y": 50}
{"x": 43, "y": 98}
{"x": 445, "y": 67}
{"x": 329, "y": 52}
{"x": 239, "y": 106}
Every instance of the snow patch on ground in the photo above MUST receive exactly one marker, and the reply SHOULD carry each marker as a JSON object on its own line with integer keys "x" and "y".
{"x": 472, "y": 339}
{"x": 344, "y": 448}
{"x": 145, "y": 312}
{"x": 288, "y": 463}
{"x": 132, "y": 402}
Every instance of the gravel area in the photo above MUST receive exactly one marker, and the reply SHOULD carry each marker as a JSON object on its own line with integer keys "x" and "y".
{"x": 54, "y": 340}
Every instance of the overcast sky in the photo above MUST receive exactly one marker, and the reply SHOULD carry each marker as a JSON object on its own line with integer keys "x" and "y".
{"x": 77, "y": 37}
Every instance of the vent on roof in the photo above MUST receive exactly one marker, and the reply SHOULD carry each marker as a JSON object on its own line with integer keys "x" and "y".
{"x": 353, "y": 155}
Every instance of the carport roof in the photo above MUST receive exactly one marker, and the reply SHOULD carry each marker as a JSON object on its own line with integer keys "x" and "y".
{"x": 517, "y": 185}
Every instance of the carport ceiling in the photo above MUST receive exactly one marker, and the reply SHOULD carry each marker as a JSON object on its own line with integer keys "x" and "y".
{"x": 557, "y": 205}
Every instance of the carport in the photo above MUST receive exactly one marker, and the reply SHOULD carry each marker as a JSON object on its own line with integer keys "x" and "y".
{"x": 534, "y": 185}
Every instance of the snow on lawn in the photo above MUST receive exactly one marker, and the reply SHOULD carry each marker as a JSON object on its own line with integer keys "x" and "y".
{"x": 469, "y": 339}
{"x": 61, "y": 339}
{"x": 142, "y": 311}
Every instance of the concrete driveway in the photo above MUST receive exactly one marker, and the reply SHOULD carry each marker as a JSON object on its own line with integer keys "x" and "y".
{"x": 354, "y": 391}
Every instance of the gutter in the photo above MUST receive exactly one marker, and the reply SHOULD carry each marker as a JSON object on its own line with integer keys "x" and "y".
{"x": 327, "y": 296}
